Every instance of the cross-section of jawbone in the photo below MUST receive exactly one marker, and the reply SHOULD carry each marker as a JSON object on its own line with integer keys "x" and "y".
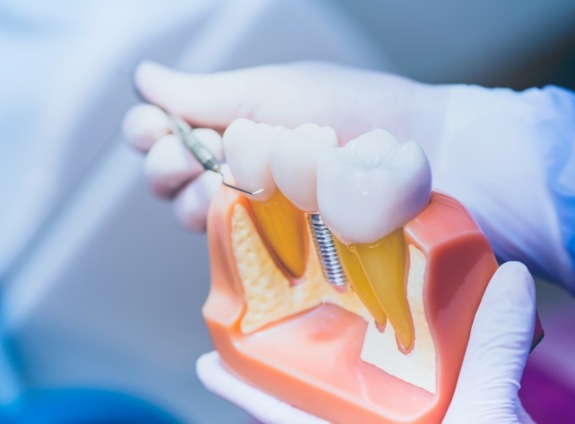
{"x": 317, "y": 349}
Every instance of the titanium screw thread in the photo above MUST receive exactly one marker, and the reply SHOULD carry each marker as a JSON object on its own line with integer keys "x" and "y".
{"x": 328, "y": 257}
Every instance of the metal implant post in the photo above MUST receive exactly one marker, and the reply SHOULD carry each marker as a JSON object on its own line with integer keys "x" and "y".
{"x": 328, "y": 257}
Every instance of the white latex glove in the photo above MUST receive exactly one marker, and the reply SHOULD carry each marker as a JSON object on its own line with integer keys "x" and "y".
{"x": 171, "y": 169}
{"x": 488, "y": 383}
{"x": 508, "y": 156}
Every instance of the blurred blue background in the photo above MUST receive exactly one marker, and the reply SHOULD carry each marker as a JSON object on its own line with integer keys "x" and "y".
{"x": 101, "y": 288}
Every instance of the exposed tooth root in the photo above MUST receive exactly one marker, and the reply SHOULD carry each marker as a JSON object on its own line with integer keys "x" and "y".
{"x": 327, "y": 252}
{"x": 360, "y": 283}
{"x": 384, "y": 265}
{"x": 283, "y": 228}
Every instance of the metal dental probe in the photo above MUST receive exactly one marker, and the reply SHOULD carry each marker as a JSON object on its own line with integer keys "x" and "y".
{"x": 328, "y": 256}
{"x": 206, "y": 158}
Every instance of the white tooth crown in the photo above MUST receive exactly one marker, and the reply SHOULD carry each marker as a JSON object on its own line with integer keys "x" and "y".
{"x": 372, "y": 186}
{"x": 293, "y": 161}
{"x": 318, "y": 134}
{"x": 246, "y": 147}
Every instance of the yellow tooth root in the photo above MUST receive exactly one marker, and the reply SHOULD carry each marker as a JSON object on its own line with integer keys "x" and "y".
{"x": 384, "y": 265}
{"x": 283, "y": 228}
{"x": 359, "y": 282}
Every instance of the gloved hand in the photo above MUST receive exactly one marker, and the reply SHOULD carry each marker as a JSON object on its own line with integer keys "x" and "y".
{"x": 508, "y": 156}
{"x": 288, "y": 96}
{"x": 488, "y": 383}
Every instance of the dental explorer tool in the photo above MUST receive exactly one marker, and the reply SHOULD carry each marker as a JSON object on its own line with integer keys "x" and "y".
{"x": 206, "y": 158}
{"x": 327, "y": 252}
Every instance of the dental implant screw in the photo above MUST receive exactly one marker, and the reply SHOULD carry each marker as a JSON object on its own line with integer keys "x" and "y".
{"x": 328, "y": 257}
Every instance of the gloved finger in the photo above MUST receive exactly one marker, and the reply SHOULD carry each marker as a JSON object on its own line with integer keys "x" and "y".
{"x": 212, "y": 100}
{"x": 169, "y": 164}
{"x": 143, "y": 125}
{"x": 262, "y": 406}
{"x": 192, "y": 202}
{"x": 352, "y": 101}
{"x": 498, "y": 346}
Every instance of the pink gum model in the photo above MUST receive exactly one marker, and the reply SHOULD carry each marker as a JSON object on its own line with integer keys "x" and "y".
{"x": 312, "y": 360}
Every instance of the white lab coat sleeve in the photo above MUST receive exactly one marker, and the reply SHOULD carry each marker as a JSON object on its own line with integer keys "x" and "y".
{"x": 510, "y": 158}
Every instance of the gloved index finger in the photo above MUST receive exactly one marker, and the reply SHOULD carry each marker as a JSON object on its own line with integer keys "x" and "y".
{"x": 212, "y": 100}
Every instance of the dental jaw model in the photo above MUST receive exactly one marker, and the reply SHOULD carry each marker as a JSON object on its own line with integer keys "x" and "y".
{"x": 390, "y": 349}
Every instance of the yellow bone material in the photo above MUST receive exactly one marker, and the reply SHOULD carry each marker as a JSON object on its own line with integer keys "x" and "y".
{"x": 284, "y": 229}
{"x": 384, "y": 265}
{"x": 359, "y": 282}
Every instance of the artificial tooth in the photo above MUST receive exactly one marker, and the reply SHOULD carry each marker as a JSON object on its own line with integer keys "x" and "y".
{"x": 293, "y": 161}
{"x": 360, "y": 283}
{"x": 367, "y": 191}
{"x": 280, "y": 224}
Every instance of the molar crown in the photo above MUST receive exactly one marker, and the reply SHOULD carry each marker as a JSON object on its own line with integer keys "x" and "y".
{"x": 372, "y": 186}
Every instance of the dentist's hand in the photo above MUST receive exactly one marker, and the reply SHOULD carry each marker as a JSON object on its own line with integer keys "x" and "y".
{"x": 349, "y": 100}
{"x": 488, "y": 383}
{"x": 507, "y": 156}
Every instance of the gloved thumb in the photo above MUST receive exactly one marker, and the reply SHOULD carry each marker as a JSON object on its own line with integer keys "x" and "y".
{"x": 212, "y": 100}
{"x": 499, "y": 343}
{"x": 262, "y": 406}
{"x": 352, "y": 101}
